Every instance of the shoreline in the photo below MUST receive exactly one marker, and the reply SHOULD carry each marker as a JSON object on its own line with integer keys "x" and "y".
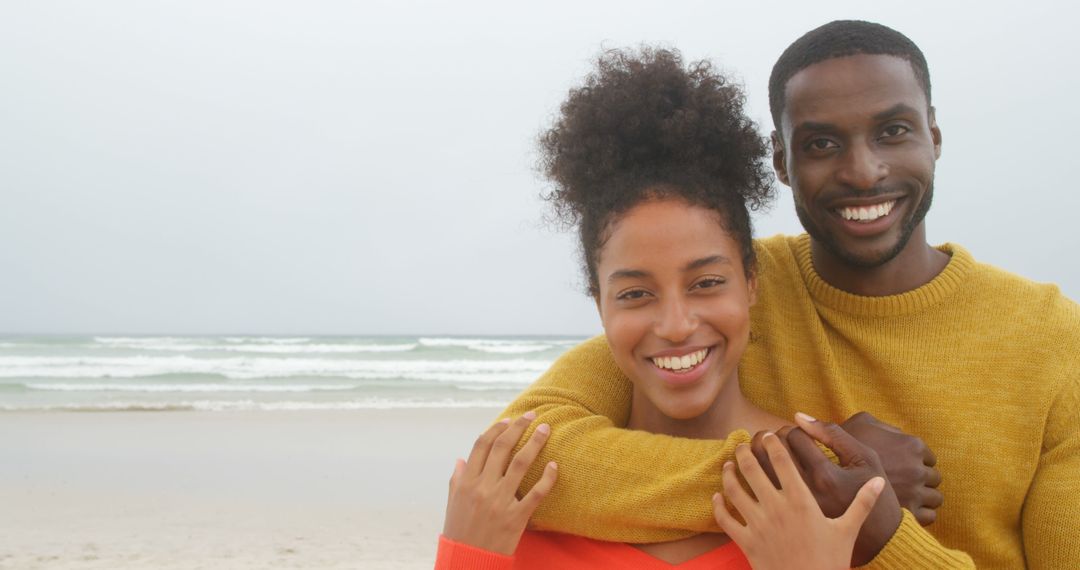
{"x": 298, "y": 489}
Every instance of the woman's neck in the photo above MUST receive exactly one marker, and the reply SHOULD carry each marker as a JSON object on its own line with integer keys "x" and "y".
{"x": 729, "y": 412}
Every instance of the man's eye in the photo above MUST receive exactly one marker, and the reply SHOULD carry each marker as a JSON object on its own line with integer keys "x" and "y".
{"x": 895, "y": 130}
{"x": 821, "y": 144}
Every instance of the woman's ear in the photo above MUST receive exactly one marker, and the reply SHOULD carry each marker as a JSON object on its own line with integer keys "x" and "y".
{"x": 751, "y": 288}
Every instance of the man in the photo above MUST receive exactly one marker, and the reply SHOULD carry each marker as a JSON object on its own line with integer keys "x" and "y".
{"x": 860, "y": 314}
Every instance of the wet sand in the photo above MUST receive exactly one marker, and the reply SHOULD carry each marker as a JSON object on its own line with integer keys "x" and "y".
{"x": 357, "y": 489}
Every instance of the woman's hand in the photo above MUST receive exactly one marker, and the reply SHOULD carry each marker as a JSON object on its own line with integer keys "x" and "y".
{"x": 785, "y": 528}
{"x": 483, "y": 510}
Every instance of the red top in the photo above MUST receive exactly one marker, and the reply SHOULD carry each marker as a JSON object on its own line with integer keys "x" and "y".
{"x": 545, "y": 550}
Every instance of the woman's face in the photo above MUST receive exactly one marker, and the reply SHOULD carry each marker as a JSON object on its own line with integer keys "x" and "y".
{"x": 675, "y": 304}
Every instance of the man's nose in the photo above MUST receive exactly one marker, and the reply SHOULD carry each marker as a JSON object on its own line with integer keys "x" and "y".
{"x": 862, "y": 167}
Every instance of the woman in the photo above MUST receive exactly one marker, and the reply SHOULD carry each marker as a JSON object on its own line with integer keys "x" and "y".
{"x": 658, "y": 167}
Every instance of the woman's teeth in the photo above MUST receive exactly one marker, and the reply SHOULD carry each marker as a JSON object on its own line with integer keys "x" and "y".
{"x": 684, "y": 362}
{"x": 866, "y": 213}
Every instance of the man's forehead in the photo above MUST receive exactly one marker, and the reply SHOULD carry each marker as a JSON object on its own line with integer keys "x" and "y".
{"x": 851, "y": 87}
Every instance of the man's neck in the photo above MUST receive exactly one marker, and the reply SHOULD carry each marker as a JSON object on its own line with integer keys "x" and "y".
{"x": 916, "y": 265}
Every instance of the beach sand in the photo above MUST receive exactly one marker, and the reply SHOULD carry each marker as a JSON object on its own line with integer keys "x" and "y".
{"x": 344, "y": 489}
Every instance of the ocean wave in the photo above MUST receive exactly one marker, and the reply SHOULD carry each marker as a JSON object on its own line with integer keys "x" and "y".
{"x": 272, "y": 346}
{"x": 142, "y": 339}
{"x": 58, "y": 387}
{"x": 247, "y": 368}
{"x": 500, "y": 346}
{"x": 267, "y": 339}
{"x": 249, "y": 405}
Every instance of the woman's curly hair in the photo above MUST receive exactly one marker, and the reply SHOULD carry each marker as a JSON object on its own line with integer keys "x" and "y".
{"x": 645, "y": 127}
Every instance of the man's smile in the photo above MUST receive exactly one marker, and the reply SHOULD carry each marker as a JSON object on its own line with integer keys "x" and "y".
{"x": 866, "y": 213}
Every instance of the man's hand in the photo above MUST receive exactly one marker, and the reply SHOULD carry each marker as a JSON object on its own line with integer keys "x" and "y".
{"x": 908, "y": 462}
{"x": 835, "y": 486}
{"x": 785, "y": 528}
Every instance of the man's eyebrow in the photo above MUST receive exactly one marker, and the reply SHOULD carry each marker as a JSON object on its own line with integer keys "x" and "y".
{"x": 812, "y": 126}
{"x": 897, "y": 109}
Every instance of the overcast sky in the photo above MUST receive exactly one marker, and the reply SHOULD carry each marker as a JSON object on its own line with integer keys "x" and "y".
{"x": 367, "y": 167}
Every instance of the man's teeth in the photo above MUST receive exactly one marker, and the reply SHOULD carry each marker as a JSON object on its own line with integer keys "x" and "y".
{"x": 681, "y": 362}
{"x": 866, "y": 213}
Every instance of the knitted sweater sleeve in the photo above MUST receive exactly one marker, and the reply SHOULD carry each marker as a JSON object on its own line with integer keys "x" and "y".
{"x": 1051, "y": 515}
{"x": 912, "y": 546}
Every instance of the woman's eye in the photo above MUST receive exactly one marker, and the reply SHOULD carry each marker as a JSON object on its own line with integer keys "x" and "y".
{"x": 631, "y": 295}
{"x": 708, "y": 282}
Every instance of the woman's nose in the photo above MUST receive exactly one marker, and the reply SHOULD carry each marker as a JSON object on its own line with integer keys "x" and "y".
{"x": 676, "y": 321}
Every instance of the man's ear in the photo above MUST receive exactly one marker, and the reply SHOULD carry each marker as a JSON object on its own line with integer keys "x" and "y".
{"x": 935, "y": 134}
{"x": 779, "y": 159}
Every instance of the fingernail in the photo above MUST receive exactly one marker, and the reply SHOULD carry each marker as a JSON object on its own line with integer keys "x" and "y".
{"x": 877, "y": 484}
{"x": 529, "y": 415}
{"x": 729, "y": 465}
{"x": 553, "y": 466}
{"x": 715, "y": 496}
{"x": 805, "y": 417}
{"x": 543, "y": 428}
{"x": 504, "y": 421}
{"x": 768, "y": 434}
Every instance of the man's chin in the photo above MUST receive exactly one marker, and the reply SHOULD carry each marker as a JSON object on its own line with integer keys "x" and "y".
{"x": 863, "y": 256}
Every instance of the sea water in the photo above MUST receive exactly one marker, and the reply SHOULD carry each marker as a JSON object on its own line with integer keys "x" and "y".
{"x": 220, "y": 373}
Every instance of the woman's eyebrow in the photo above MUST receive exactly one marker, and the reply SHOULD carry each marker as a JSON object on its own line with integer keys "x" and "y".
{"x": 695, "y": 264}
{"x": 627, "y": 274}
{"x": 699, "y": 263}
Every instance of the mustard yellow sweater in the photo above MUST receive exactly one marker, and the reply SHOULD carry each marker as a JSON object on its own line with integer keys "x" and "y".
{"x": 983, "y": 365}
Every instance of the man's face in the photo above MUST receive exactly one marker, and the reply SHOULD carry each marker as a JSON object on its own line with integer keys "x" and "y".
{"x": 857, "y": 145}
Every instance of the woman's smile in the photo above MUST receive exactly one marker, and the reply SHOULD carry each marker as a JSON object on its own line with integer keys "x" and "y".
{"x": 682, "y": 367}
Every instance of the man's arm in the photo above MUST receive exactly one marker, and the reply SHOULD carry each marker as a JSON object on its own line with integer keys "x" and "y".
{"x": 631, "y": 486}
{"x": 616, "y": 484}
{"x": 1051, "y": 515}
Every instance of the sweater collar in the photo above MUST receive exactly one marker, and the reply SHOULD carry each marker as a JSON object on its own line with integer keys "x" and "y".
{"x": 941, "y": 287}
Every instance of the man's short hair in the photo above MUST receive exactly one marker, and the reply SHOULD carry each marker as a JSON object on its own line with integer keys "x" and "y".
{"x": 842, "y": 38}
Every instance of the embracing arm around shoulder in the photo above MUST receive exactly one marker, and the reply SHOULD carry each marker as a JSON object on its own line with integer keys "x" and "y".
{"x": 655, "y": 487}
